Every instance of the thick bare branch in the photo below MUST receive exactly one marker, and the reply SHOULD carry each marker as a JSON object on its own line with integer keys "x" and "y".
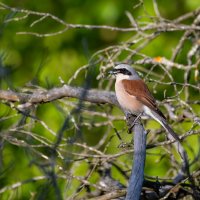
{"x": 137, "y": 174}
{"x": 43, "y": 96}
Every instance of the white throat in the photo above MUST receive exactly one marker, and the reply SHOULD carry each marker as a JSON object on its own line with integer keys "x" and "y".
{"x": 120, "y": 77}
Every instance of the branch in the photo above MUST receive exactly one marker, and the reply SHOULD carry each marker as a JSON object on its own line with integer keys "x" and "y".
{"x": 137, "y": 174}
{"x": 160, "y": 26}
{"x": 44, "y": 96}
{"x": 111, "y": 195}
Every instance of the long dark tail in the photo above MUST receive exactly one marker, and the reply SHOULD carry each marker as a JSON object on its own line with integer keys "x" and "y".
{"x": 178, "y": 145}
{"x": 160, "y": 118}
{"x": 169, "y": 130}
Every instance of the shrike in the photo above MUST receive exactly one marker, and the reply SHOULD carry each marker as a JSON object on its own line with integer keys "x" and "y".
{"x": 134, "y": 96}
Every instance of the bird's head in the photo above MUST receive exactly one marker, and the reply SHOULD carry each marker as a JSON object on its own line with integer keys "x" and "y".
{"x": 124, "y": 71}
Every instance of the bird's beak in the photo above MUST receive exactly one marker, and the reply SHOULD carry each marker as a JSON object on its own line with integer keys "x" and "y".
{"x": 112, "y": 72}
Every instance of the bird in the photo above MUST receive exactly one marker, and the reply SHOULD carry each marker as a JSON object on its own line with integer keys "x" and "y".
{"x": 134, "y": 97}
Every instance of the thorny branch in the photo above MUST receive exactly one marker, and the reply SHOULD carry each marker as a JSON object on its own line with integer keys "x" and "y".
{"x": 70, "y": 151}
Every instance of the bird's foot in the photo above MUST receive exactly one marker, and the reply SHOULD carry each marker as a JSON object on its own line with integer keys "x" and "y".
{"x": 132, "y": 121}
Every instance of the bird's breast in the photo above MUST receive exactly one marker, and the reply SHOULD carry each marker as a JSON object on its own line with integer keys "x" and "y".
{"x": 127, "y": 102}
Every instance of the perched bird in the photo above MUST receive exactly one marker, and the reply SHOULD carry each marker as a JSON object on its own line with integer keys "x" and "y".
{"x": 134, "y": 96}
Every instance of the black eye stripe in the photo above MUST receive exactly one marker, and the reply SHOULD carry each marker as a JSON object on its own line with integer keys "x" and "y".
{"x": 124, "y": 71}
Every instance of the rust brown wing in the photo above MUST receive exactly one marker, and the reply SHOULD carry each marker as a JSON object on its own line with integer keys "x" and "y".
{"x": 140, "y": 90}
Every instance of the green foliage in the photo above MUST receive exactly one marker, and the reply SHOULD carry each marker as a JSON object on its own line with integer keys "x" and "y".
{"x": 28, "y": 60}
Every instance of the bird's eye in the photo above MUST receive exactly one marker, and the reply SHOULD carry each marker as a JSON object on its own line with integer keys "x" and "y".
{"x": 125, "y": 71}
{"x": 122, "y": 71}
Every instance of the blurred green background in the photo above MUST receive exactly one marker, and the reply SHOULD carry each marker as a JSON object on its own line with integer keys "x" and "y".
{"x": 42, "y": 60}
{"x": 62, "y": 54}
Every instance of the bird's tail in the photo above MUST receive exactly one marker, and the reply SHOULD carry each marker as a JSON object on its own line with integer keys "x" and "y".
{"x": 169, "y": 129}
{"x": 164, "y": 123}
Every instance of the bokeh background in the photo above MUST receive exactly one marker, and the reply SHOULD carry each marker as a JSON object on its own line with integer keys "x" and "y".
{"x": 28, "y": 62}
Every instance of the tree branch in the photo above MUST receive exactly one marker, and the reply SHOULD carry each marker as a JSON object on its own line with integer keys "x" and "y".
{"x": 44, "y": 96}
{"x": 137, "y": 174}
{"x": 160, "y": 26}
{"x": 94, "y": 96}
